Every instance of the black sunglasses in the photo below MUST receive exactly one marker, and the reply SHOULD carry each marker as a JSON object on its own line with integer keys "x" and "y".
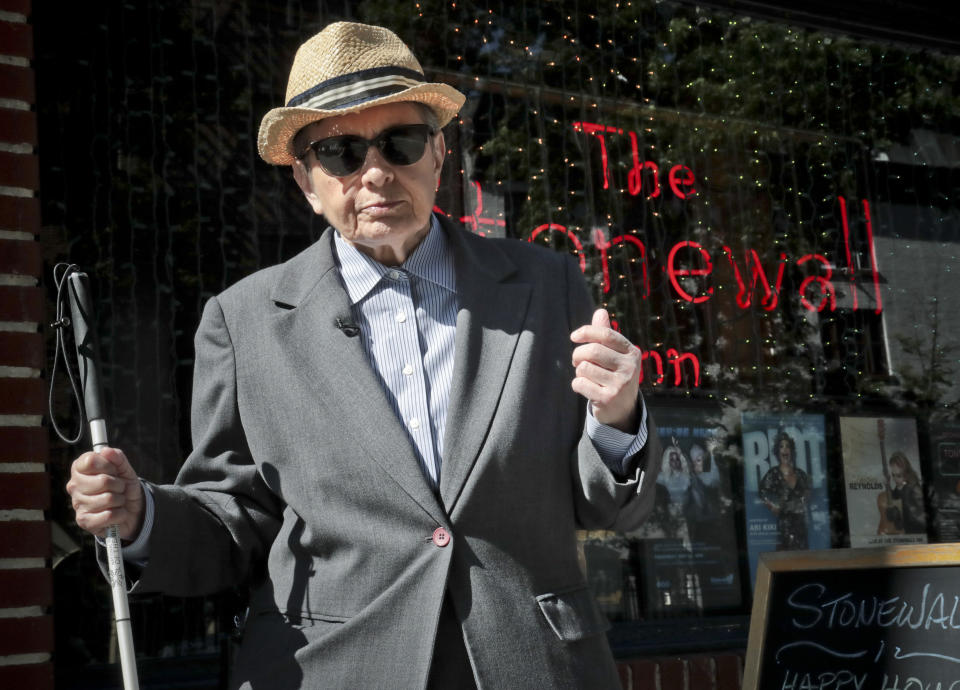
{"x": 344, "y": 155}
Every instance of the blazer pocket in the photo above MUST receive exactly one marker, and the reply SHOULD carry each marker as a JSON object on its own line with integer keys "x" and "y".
{"x": 312, "y": 619}
{"x": 573, "y": 614}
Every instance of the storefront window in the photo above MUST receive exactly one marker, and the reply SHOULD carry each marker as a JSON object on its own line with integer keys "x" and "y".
{"x": 772, "y": 224}
{"x": 768, "y": 212}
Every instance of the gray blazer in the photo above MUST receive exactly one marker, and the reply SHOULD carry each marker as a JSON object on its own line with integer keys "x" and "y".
{"x": 303, "y": 485}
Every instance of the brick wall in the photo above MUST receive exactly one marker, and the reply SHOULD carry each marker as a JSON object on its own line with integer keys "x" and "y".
{"x": 690, "y": 672}
{"x": 26, "y": 579}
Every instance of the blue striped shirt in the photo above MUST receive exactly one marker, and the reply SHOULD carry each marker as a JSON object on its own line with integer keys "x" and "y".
{"x": 408, "y": 317}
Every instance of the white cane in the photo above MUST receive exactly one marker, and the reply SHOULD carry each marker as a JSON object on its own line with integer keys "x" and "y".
{"x": 84, "y": 335}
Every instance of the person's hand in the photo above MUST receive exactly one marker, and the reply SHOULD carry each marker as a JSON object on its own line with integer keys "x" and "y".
{"x": 608, "y": 372}
{"x": 105, "y": 491}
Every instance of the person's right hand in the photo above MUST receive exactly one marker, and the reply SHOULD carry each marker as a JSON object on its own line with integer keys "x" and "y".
{"x": 105, "y": 491}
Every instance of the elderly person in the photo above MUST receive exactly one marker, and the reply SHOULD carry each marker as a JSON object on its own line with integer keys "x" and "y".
{"x": 389, "y": 448}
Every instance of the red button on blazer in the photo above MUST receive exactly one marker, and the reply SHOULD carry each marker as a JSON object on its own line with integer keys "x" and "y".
{"x": 441, "y": 537}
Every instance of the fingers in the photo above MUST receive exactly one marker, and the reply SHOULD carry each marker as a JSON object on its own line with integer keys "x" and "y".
{"x": 599, "y": 395}
{"x": 92, "y": 464}
{"x": 97, "y": 523}
{"x": 118, "y": 459}
{"x": 607, "y": 371}
{"x": 603, "y": 392}
{"x": 605, "y": 356}
{"x": 610, "y": 380}
{"x": 97, "y": 503}
{"x": 95, "y": 484}
{"x": 604, "y": 378}
{"x": 600, "y": 332}
{"x": 108, "y": 461}
{"x": 600, "y": 318}
{"x": 104, "y": 490}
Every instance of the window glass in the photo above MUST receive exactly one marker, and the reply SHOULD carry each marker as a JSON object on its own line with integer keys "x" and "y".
{"x": 768, "y": 212}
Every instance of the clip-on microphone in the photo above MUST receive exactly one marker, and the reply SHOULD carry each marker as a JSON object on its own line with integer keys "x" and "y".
{"x": 351, "y": 330}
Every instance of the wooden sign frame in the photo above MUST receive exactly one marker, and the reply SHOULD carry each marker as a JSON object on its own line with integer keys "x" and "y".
{"x": 773, "y": 562}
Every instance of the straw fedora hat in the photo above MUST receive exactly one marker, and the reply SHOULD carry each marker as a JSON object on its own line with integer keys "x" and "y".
{"x": 345, "y": 68}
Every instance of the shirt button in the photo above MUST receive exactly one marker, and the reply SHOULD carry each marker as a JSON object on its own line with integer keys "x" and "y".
{"x": 395, "y": 275}
{"x": 407, "y": 370}
{"x": 401, "y": 316}
{"x": 414, "y": 423}
{"x": 441, "y": 537}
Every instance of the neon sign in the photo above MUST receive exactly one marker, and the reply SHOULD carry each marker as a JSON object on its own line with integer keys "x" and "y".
{"x": 674, "y": 358}
{"x": 686, "y": 252}
{"x": 680, "y": 178}
{"x": 688, "y": 261}
{"x": 476, "y": 219}
{"x": 682, "y": 183}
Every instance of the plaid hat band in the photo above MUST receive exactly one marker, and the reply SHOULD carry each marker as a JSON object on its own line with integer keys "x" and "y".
{"x": 350, "y": 89}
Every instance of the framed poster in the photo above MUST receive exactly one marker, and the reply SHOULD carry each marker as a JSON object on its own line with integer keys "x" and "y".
{"x": 882, "y": 481}
{"x": 784, "y": 485}
{"x": 690, "y": 540}
{"x": 945, "y": 478}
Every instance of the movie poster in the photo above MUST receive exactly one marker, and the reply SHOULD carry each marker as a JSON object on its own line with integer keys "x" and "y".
{"x": 945, "y": 451}
{"x": 785, "y": 484}
{"x": 882, "y": 479}
{"x": 690, "y": 542}
{"x": 606, "y": 559}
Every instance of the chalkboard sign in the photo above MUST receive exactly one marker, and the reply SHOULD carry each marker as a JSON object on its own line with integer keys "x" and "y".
{"x": 856, "y": 619}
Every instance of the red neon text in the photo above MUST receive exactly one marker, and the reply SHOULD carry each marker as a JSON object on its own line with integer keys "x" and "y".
{"x": 476, "y": 220}
{"x": 873, "y": 253}
{"x": 598, "y": 131}
{"x": 688, "y": 250}
{"x": 546, "y": 227}
{"x": 757, "y": 275}
{"x": 675, "y": 359}
{"x": 688, "y": 261}
{"x": 674, "y": 273}
{"x": 691, "y": 260}
{"x": 828, "y": 293}
{"x": 601, "y": 243}
{"x": 680, "y": 178}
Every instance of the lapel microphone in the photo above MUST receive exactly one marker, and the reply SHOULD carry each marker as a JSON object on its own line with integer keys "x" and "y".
{"x": 351, "y": 330}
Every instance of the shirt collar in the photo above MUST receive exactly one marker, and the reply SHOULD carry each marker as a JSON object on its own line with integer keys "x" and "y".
{"x": 431, "y": 260}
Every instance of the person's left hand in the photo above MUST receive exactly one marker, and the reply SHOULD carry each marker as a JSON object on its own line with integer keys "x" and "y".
{"x": 608, "y": 372}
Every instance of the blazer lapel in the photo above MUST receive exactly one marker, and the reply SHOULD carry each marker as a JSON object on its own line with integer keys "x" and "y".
{"x": 311, "y": 289}
{"x": 490, "y": 319}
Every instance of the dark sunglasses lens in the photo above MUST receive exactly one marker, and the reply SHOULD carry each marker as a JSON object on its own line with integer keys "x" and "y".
{"x": 404, "y": 145}
{"x": 341, "y": 155}
{"x": 344, "y": 155}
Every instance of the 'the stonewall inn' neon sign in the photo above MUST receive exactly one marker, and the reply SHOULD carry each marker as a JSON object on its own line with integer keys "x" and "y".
{"x": 689, "y": 259}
